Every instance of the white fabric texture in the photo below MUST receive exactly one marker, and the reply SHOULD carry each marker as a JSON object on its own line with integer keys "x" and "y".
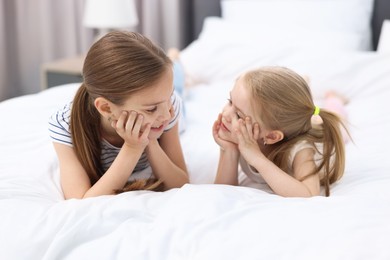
{"x": 346, "y": 16}
{"x": 36, "y": 32}
{"x": 237, "y": 45}
{"x": 201, "y": 220}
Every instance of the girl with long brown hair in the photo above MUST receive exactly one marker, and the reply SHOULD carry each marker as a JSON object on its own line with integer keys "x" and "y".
{"x": 267, "y": 128}
{"x": 121, "y": 131}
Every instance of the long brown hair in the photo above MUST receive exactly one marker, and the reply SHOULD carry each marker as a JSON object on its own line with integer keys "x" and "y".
{"x": 116, "y": 66}
{"x": 287, "y": 105}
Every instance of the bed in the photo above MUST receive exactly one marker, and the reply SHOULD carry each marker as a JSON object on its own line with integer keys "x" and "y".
{"x": 202, "y": 220}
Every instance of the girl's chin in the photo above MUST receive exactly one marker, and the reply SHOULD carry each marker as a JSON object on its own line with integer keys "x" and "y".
{"x": 156, "y": 132}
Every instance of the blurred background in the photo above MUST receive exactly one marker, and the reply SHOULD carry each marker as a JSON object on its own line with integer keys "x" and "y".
{"x": 42, "y": 42}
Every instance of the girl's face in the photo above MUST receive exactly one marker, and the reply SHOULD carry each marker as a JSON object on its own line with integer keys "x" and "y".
{"x": 238, "y": 106}
{"x": 154, "y": 103}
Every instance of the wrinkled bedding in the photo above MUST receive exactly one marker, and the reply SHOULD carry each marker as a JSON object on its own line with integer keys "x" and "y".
{"x": 202, "y": 220}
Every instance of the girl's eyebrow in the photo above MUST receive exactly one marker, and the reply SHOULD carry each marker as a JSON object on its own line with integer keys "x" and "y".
{"x": 153, "y": 104}
{"x": 157, "y": 103}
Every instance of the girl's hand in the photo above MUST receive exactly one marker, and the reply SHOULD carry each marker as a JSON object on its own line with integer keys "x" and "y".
{"x": 128, "y": 126}
{"x": 248, "y": 134}
{"x": 224, "y": 144}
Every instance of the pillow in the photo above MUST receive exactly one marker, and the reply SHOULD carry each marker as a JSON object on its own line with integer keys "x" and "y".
{"x": 342, "y": 16}
{"x": 265, "y": 37}
{"x": 225, "y": 48}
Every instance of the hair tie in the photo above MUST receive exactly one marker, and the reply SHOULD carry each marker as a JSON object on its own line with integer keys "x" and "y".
{"x": 316, "y": 110}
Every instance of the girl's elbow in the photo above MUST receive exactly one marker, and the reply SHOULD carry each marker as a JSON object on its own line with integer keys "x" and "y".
{"x": 186, "y": 180}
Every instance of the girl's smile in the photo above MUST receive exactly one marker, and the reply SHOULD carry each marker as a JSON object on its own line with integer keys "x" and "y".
{"x": 224, "y": 128}
{"x": 158, "y": 129}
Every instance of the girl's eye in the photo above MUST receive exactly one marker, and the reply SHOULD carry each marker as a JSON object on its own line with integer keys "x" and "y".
{"x": 230, "y": 103}
{"x": 152, "y": 110}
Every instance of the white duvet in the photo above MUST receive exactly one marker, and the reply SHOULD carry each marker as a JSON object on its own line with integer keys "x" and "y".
{"x": 202, "y": 220}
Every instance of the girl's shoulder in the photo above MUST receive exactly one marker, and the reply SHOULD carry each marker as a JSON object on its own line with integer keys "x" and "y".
{"x": 299, "y": 146}
{"x": 59, "y": 125}
{"x": 302, "y": 144}
{"x": 176, "y": 100}
{"x": 62, "y": 115}
{"x": 177, "y": 105}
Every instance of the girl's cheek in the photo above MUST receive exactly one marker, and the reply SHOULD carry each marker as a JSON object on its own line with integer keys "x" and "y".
{"x": 235, "y": 124}
{"x": 147, "y": 120}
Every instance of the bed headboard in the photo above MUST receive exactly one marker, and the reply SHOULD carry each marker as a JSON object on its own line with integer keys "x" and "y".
{"x": 381, "y": 12}
{"x": 197, "y": 10}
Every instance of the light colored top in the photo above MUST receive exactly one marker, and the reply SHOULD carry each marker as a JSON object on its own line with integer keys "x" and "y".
{"x": 256, "y": 177}
{"x": 60, "y": 132}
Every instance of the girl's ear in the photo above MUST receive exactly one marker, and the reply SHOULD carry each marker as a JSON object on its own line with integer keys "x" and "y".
{"x": 274, "y": 136}
{"x": 103, "y": 106}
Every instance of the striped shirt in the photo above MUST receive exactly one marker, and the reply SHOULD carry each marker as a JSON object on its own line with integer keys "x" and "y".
{"x": 59, "y": 132}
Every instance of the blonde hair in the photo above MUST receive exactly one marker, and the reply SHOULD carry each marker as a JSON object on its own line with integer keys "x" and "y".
{"x": 116, "y": 66}
{"x": 286, "y": 104}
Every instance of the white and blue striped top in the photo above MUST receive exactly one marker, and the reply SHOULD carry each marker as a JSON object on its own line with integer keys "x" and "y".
{"x": 60, "y": 133}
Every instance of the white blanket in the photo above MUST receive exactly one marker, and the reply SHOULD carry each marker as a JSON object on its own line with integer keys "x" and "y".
{"x": 202, "y": 220}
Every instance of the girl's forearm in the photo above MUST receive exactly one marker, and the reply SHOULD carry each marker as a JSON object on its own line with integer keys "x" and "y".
{"x": 227, "y": 172}
{"x": 279, "y": 181}
{"x": 118, "y": 173}
{"x": 164, "y": 168}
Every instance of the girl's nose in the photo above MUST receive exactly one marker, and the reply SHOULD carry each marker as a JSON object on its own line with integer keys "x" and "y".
{"x": 168, "y": 112}
{"x": 227, "y": 114}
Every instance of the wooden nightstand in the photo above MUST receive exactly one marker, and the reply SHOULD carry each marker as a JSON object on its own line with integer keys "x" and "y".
{"x": 62, "y": 72}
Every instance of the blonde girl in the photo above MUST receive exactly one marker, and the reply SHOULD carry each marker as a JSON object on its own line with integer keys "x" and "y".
{"x": 121, "y": 130}
{"x": 266, "y": 128}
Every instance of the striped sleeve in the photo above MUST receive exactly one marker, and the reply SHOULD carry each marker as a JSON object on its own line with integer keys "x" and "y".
{"x": 177, "y": 105}
{"x": 59, "y": 126}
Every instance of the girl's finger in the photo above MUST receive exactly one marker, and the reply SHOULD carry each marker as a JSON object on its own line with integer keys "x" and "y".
{"x": 219, "y": 118}
{"x": 243, "y": 128}
{"x": 239, "y": 135}
{"x": 146, "y": 131}
{"x": 256, "y": 131}
{"x": 138, "y": 124}
{"x": 131, "y": 120}
{"x": 113, "y": 123}
{"x": 120, "y": 124}
{"x": 216, "y": 127}
{"x": 248, "y": 123}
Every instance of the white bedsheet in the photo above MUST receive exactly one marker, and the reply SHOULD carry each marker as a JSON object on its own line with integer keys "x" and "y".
{"x": 202, "y": 220}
